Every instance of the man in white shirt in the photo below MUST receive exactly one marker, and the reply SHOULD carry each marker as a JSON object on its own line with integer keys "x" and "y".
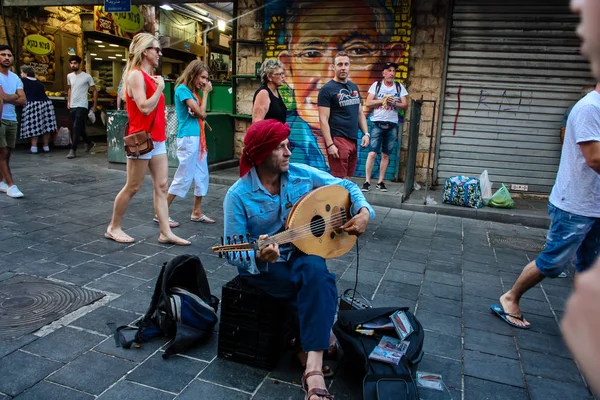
{"x": 11, "y": 95}
{"x": 79, "y": 84}
{"x": 385, "y": 98}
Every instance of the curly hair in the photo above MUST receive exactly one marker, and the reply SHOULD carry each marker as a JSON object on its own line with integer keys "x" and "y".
{"x": 267, "y": 68}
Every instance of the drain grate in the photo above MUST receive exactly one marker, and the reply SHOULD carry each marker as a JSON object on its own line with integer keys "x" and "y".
{"x": 72, "y": 179}
{"x": 27, "y": 303}
{"x": 517, "y": 243}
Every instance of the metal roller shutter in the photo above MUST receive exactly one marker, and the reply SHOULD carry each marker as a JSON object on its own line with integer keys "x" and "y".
{"x": 513, "y": 69}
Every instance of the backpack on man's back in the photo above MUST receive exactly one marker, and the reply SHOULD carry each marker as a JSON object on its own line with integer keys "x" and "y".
{"x": 182, "y": 307}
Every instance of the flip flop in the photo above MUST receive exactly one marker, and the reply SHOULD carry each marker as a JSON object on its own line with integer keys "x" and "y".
{"x": 499, "y": 311}
{"x": 204, "y": 219}
{"x": 117, "y": 239}
{"x": 172, "y": 222}
{"x": 174, "y": 242}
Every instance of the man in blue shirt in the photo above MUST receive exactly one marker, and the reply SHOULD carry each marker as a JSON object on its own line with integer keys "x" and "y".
{"x": 11, "y": 95}
{"x": 258, "y": 204}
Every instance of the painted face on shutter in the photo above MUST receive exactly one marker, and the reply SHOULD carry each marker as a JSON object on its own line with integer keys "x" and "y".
{"x": 318, "y": 32}
{"x": 589, "y": 31}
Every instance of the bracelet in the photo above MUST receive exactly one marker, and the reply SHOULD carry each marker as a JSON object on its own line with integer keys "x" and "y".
{"x": 330, "y": 145}
{"x": 368, "y": 134}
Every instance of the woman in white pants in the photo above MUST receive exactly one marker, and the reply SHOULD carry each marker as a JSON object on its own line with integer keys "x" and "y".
{"x": 191, "y": 141}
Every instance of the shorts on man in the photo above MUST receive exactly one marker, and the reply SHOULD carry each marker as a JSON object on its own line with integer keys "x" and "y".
{"x": 570, "y": 237}
{"x": 8, "y": 133}
{"x": 383, "y": 140}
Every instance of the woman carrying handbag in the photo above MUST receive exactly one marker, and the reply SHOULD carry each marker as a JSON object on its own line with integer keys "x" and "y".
{"x": 146, "y": 113}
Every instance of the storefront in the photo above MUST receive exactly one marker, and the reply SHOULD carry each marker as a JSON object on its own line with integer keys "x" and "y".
{"x": 512, "y": 71}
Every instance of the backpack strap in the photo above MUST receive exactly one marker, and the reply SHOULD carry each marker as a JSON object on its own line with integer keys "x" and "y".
{"x": 120, "y": 340}
{"x": 377, "y": 89}
{"x": 398, "y": 88}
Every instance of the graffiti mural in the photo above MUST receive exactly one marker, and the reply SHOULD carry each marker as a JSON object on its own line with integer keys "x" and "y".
{"x": 304, "y": 36}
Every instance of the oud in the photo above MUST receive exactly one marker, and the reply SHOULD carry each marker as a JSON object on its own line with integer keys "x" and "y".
{"x": 313, "y": 226}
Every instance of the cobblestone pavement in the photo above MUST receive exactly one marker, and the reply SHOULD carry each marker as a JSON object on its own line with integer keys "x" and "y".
{"x": 443, "y": 267}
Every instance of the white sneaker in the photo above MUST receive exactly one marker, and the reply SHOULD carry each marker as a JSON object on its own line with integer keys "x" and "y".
{"x": 3, "y": 187}
{"x": 14, "y": 192}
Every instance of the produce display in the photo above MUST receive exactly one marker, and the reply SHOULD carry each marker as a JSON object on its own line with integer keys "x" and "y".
{"x": 38, "y": 52}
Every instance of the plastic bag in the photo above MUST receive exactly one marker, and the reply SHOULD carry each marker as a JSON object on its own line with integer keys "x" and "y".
{"x": 501, "y": 199}
{"x": 63, "y": 137}
{"x": 92, "y": 116}
{"x": 486, "y": 186}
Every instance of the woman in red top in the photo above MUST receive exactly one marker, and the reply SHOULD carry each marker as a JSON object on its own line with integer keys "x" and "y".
{"x": 146, "y": 111}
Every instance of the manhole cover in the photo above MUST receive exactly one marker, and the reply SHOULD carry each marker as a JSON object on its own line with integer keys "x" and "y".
{"x": 27, "y": 303}
{"x": 72, "y": 179}
{"x": 516, "y": 242}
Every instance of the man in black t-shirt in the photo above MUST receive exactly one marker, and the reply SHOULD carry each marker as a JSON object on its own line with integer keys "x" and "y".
{"x": 340, "y": 115}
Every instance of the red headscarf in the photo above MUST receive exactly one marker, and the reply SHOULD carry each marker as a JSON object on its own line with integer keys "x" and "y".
{"x": 261, "y": 139}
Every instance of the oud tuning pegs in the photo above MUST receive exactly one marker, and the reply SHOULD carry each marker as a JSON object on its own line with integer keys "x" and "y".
{"x": 228, "y": 239}
{"x": 248, "y": 237}
{"x": 241, "y": 237}
{"x": 234, "y": 239}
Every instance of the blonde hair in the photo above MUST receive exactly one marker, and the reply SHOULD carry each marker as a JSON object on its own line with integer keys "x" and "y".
{"x": 139, "y": 44}
{"x": 191, "y": 72}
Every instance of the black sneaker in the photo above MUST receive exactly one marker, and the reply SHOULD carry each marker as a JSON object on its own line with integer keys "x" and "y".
{"x": 366, "y": 187}
{"x": 381, "y": 186}
{"x": 89, "y": 146}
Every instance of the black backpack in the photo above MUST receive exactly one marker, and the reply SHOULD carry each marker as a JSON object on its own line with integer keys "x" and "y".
{"x": 181, "y": 308}
{"x": 382, "y": 381}
{"x": 378, "y": 88}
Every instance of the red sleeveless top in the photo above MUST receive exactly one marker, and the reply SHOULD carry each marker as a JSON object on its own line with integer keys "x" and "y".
{"x": 156, "y": 121}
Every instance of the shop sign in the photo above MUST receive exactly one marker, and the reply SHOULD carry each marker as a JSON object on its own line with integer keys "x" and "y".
{"x": 38, "y": 53}
{"x": 123, "y": 24}
{"x": 38, "y": 45}
{"x": 117, "y": 6}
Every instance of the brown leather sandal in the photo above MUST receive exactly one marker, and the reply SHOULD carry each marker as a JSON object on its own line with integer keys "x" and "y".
{"x": 314, "y": 391}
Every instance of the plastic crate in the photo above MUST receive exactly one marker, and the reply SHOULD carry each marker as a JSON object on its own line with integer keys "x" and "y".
{"x": 255, "y": 328}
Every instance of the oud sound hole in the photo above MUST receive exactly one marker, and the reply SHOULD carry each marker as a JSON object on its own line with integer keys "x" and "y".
{"x": 317, "y": 226}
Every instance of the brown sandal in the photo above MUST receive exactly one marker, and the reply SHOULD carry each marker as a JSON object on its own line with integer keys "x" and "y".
{"x": 314, "y": 391}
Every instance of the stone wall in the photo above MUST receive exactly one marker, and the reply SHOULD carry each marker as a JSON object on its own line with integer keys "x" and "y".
{"x": 425, "y": 77}
{"x": 250, "y": 28}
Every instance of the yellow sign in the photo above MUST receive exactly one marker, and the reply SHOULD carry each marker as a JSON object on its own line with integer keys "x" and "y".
{"x": 38, "y": 45}
{"x": 130, "y": 22}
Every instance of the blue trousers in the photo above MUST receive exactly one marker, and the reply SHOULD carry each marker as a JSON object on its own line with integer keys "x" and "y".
{"x": 310, "y": 288}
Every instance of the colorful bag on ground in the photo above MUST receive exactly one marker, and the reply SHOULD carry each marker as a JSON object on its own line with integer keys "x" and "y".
{"x": 462, "y": 191}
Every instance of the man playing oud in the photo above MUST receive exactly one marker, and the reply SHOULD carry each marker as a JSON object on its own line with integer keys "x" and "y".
{"x": 258, "y": 204}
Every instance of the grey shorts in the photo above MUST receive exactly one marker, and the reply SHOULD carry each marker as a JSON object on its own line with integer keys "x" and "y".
{"x": 8, "y": 133}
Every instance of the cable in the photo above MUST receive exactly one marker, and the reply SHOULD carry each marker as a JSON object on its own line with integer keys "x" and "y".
{"x": 356, "y": 276}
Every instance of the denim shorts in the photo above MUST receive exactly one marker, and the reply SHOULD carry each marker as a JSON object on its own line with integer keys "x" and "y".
{"x": 383, "y": 140}
{"x": 570, "y": 237}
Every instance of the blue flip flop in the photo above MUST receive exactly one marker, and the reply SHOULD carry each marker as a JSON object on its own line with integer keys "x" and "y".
{"x": 499, "y": 311}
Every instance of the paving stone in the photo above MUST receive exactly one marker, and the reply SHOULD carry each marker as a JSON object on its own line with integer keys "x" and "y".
{"x": 491, "y": 343}
{"x": 122, "y": 258}
{"x": 234, "y": 375}
{"x": 410, "y": 266}
{"x": 382, "y": 300}
{"x": 479, "y": 389}
{"x": 127, "y": 390}
{"x": 142, "y": 270}
{"x": 133, "y": 300}
{"x": 136, "y": 354}
{"x": 367, "y": 277}
{"x": 51, "y": 391}
{"x": 547, "y": 366}
{"x": 542, "y": 308}
{"x": 443, "y": 291}
{"x": 449, "y": 266}
{"x": 116, "y": 283}
{"x": 20, "y": 371}
{"x": 144, "y": 249}
{"x": 490, "y": 268}
{"x": 8, "y": 346}
{"x": 172, "y": 374}
{"x": 440, "y": 305}
{"x": 92, "y": 372}
{"x": 72, "y": 258}
{"x": 440, "y": 344}
{"x": 440, "y": 322}
{"x": 488, "y": 322}
{"x": 409, "y": 254}
{"x": 481, "y": 278}
{"x": 100, "y": 247}
{"x": 64, "y": 344}
{"x": 96, "y": 320}
{"x": 41, "y": 268}
{"x": 443, "y": 278}
{"x": 206, "y": 390}
{"x": 543, "y": 389}
{"x": 493, "y": 368}
{"x": 387, "y": 288}
{"x": 272, "y": 390}
{"x": 451, "y": 370}
{"x": 543, "y": 324}
{"x": 24, "y": 257}
{"x": 85, "y": 273}
{"x": 368, "y": 254}
{"x": 206, "y": 351}
{"x": 409, "y": 278}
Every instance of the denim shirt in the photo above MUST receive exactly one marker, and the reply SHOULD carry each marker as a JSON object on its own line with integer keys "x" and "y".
{"x": 250, "y": 209}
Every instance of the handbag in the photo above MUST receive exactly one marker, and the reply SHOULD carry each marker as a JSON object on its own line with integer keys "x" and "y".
{"x": 138, "y": 143}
